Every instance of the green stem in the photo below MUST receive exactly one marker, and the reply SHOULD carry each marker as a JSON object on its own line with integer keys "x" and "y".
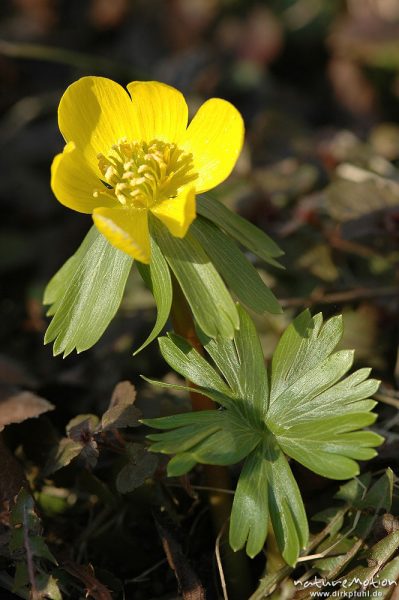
{"x": 274, "y": 560}
{"x": 215, "y": 477}
{"x": 64, "y": 56}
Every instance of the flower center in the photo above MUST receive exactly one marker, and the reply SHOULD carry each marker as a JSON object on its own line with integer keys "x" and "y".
{"x": 143, "y": 174}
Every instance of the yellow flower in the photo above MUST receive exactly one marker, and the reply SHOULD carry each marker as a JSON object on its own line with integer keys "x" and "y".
{"x": 130, "y": 154}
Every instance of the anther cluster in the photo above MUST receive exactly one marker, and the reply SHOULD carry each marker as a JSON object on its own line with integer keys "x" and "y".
{"x": 143, "y": 174}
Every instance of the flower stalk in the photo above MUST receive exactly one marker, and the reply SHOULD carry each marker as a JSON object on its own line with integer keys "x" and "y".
{"x": 215, "y": 477}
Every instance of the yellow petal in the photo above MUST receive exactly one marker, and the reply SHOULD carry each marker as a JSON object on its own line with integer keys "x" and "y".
{"x": 214, "y": 137}
{"x": 95, "y": 113}
{"x": 160, "y": 111}
{"x": 126, "y": 229}
{"x": 177, "y": 213}
{"x": 73, "y": 182}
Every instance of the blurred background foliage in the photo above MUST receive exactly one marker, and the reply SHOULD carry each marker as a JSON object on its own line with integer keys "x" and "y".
{"x": 317, "y": 82}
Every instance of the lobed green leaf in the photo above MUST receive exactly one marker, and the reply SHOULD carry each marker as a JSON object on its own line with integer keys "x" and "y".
{"x": 182, "y": 357}
{"x": 242, "y": 364}
{"x": 227, "y": 446}
{"x": 305, "y": 388}
{"x": 157, "y": 277}
{"x": 182, "y": 439}
{"x": 180, "y": 464}
{"x": 304, "y": 344}
{"x": 207, "y": 295}
{"x": 287, "y": 512}
{"x": 85, "y": 294}
{"x": 250, "y": 513}
{"x": 247, "y": 234}
{"x": 221, "y": 399}
{"x": 309, "y": 411}
{"x": 204, "y": 417}
{"x": 224, "y": 354}
{"x": 238, "y": 273}
{"x": 252, "y": 374}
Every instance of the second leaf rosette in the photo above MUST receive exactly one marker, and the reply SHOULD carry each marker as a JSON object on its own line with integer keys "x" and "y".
{"x": 302, "y": 407}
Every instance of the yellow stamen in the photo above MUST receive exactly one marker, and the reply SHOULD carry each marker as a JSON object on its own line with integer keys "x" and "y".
{"x": 144, "y": 174}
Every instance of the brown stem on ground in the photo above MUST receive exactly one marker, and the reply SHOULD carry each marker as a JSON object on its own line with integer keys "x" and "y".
{"x": 319, "y": 297}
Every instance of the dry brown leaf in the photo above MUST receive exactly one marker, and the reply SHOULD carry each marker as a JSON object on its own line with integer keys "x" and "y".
{"x": 124, "y": 393}
{"x": 121, "y": 412}
{"x": 20, "y": 406}
{"x": 190, "y": 585}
